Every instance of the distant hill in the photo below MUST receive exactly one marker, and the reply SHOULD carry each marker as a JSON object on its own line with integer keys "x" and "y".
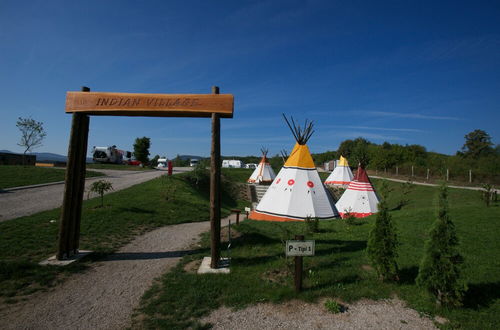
{"x": 47, "y": 156}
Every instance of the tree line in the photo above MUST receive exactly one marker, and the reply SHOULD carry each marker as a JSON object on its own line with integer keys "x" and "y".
{"x": 477, "y": 154}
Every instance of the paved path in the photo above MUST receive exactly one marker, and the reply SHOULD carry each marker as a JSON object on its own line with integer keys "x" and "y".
{"x": 105, "y": 296}
{"x": 16, "y": 203}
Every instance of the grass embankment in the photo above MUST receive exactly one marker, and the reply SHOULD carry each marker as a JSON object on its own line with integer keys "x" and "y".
{"x": 167, "y": 200}
{"x": 118, "y": 167}
{"x": 18, "y": 176}
{"x": 261, "y": 273}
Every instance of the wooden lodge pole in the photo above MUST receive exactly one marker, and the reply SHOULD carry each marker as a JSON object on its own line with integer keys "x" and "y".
{"x": 298, "y": 268}
{"x": 69, "y": 227}
{"x": 215, "y": 193}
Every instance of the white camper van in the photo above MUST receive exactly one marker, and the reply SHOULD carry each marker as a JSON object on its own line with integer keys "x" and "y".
{"x": 233, "y": 163}
{"x": 162, "y": 163}
{"x": 107, "y": 155}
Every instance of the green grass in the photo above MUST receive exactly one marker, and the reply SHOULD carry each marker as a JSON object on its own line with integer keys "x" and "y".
{"x": 119, "y": 167}
{"x": 18, "y": 176}
{"x": 261, "y": 273}
{"x": 237, "y": 174}
{"x": 28, "y": 240}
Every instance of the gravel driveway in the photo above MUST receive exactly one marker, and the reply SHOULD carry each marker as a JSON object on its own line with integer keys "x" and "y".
{"x": 22, "y": 202}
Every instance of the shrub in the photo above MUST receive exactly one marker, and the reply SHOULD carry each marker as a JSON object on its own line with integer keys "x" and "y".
{"x": 487, "y": 194}
{"x": 382, "y": 244}
{"x": 439, "y": 271}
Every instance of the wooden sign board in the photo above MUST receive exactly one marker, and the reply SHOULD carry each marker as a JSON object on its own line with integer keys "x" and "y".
{"x": 150, "y": 105}
{"x": 300, "y": 248}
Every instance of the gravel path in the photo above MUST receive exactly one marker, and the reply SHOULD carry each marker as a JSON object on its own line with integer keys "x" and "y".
{"x": 364, "y": 314}
{"x": 22, "y": 202}
{"x": 104, "y": 296}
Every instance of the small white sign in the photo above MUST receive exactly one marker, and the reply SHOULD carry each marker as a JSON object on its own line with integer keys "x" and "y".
{"x": 299, "y": 248}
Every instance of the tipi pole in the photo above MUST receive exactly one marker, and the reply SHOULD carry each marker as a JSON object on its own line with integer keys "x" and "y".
{"x": 215, "y": 194}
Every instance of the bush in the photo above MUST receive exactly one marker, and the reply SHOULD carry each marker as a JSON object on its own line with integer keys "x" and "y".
{"x": 439, "y": 271}
{"x": 382, "y": 244}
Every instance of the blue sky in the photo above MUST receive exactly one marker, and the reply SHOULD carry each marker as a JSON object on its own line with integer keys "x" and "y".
{"x": 408, "y": 72}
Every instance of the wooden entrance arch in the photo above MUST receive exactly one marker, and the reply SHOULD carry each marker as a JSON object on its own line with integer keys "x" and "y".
{"x": 85, "y": 103}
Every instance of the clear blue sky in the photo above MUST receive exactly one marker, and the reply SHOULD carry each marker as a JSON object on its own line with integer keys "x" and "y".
{"x": 408, "y": 72}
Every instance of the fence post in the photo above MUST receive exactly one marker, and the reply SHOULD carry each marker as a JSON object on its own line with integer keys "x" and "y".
{"x": 470, "y": 176}
{"x": 427, "y": 174}
{"x": 397, "y": 170}
{"x": 412, "y": 170}
{"x": 447, "y": 174}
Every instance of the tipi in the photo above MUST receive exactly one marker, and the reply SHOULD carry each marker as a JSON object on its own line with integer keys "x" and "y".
{"x": 264, "y": 172}
{"x": 360, "y": 199}
{"x": 297, "y": 191}
{"x": 341, "y": 175}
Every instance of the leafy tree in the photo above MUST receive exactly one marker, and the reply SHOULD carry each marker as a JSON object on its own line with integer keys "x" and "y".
{"x": 477, "y": 143}
{"x": 439, "y": 271}
{"x": 383, "y": 242}
{"x": 32, "y": 134}
{"x": 141, "y": 149}
{"x": 345, "y": 148}
{"x": 360, "y": 152}
{"x": 100, "y": 187}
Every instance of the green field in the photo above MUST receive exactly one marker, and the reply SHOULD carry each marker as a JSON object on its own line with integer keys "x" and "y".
{"x": 18, "y": 176}
{"x": 261, "y": 273}
{"x": 167, "y": 200}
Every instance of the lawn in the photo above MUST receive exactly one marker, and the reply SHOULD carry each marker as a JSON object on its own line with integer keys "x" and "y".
{"x": 18, "y": 176}
{"x": 340, "y": 269}
{"x": 167, "y": 200}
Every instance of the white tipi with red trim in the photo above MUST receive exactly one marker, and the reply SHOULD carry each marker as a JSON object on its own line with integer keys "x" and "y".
{"x": 341, "y": 175}
{"x": 297, "y": 191}
{"x": 360, "y": 199}
{"x": 264, "y": 173}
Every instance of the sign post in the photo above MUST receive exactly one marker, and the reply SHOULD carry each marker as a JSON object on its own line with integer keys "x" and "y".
{"x": 298, "y": 249}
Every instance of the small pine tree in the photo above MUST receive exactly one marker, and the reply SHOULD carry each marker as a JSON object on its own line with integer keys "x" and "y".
{"x": 383, "y": 243}
{"x": 439, "y": 271}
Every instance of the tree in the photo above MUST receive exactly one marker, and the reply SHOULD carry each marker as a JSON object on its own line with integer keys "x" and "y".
{"x": 100, "y": 187}
{"x": 32, "y": 134}
{"x": 439, "y": 271}
{"x": 477, "y": 143}
{"x": 141, "y": 149}
{"x": 360, "y": 151}
{"x": 383, "y": 242}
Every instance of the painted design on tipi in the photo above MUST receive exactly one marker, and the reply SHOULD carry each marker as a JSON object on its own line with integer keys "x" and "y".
{"x": 341, "y": 175}
{"x": 360, "y": 199}
{"x": 264, "y": 173}
{"x": 297, "y": 191}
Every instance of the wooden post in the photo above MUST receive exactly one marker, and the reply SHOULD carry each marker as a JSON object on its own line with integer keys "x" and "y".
{"x": 428, "y": 174}
{"x": 71, "y": 211}
{"x": 447, "y": 174}
{"x": 298, "y": 268}
{"x": 397, "y": 170}
{"x": 412, "y": 170}
{"x": 215, "y": 194}
{"x": 470, "y": 176}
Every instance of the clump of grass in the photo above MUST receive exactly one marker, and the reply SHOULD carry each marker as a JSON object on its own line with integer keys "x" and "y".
{"x": 312, "y": 224}
{"x": 333, "y": 307}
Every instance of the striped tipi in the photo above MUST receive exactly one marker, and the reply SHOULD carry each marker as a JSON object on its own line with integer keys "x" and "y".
{"x": 297, "y": 191}
{"x": 264, "y": 173}
{"x": 359, "y": 199}
{"x": 341, "y": 175}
